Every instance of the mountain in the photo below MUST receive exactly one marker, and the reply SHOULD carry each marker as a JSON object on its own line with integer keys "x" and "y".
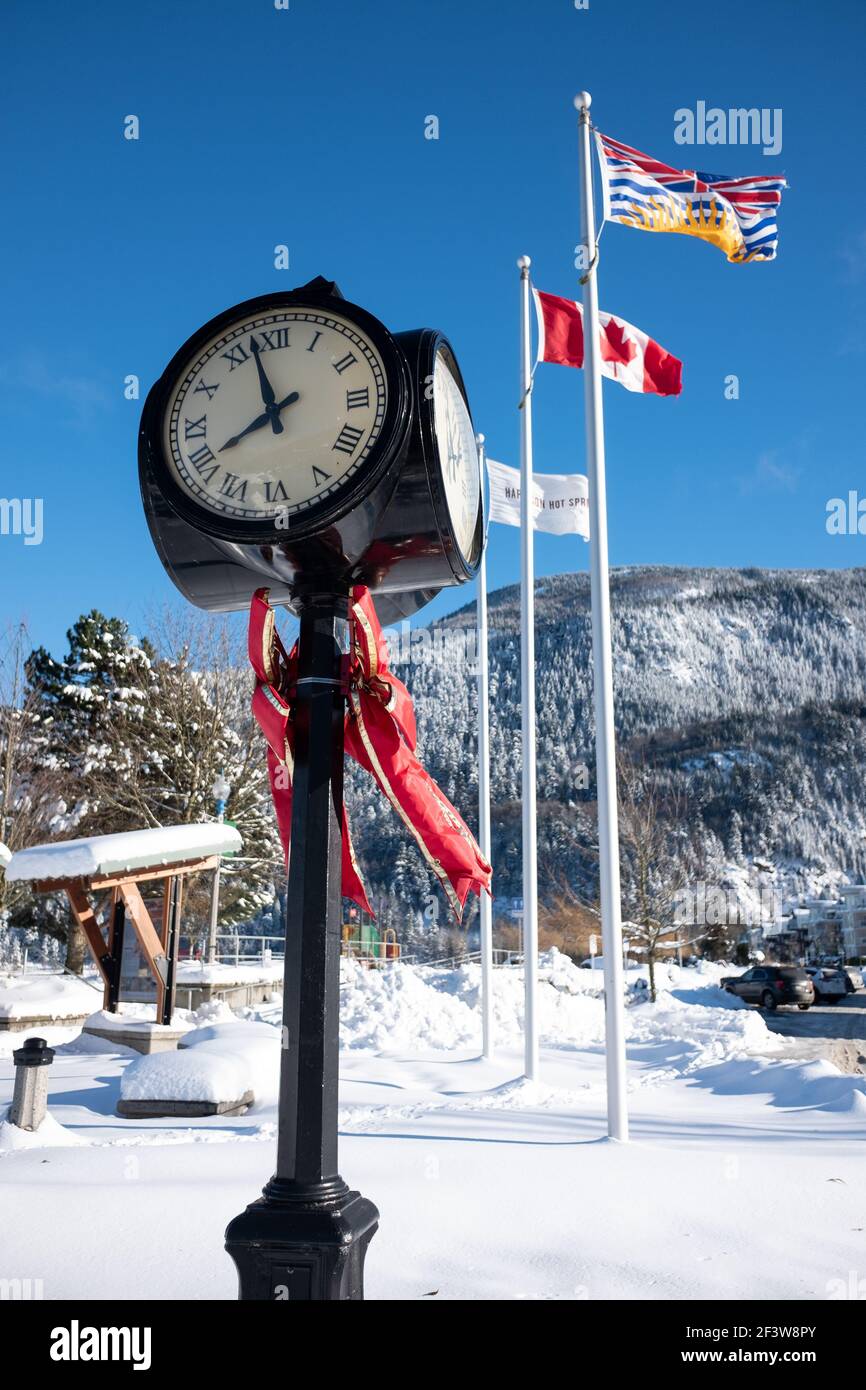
{"x": 741, "y": 694}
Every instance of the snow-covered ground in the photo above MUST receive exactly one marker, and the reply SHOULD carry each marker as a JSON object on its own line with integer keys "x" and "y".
{"x": 246, "y": 972}
{"x": 45, "y": 994}
{"x": 744, "y": 1177}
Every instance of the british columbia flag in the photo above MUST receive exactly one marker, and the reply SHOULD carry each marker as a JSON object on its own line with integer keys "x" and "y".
{"x": 737, "y": 215}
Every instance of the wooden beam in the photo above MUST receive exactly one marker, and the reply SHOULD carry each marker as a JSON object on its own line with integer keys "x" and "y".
{"x": 187, "y": 866}
{"x": 86, "y": 919}
{"x": 145, "y": 930}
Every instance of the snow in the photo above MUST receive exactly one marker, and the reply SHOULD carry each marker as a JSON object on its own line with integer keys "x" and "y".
{"x": 220, "y": 1062}
{"x": 406, "y": 1007}
{"x": 744, "y": 1177}
{"x": 5, "y": 855}
{"x": 132, "y": 1018}
{"x": 195, "y": 972}
{"x": 39, "y": 994}
{"x": 49, "y": 1135}
{"x": 127, "y": 851}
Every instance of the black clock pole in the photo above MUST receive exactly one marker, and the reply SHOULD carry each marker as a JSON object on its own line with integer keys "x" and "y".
{"x": 306, "y": 1237}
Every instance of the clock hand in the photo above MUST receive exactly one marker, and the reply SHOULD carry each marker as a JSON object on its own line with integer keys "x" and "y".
{"x": 260, "y": 421}
{"x": 267, "y": 389}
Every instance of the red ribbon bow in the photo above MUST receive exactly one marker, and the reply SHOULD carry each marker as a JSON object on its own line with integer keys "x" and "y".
{"x": 379, "y": 734}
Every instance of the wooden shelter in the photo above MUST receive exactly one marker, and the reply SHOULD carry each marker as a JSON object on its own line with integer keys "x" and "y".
{"x": 118, "y": 864}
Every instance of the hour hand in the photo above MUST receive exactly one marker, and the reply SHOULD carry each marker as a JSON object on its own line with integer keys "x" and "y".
{"x": 273, "y": 411}
{"x": 260, "y": 421}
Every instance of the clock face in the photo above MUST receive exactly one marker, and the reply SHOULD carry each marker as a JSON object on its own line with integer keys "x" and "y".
{"x": 275, "y": 414}
{"x": 458, "y": 454}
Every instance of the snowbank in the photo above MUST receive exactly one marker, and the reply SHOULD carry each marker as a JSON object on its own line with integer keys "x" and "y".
{"x": 42, "y": 995}
{"x": 219, "y": 1063}
{"x": 49, "y": 1135}
{"x": 815, "y": 1085}
{"x": 132, "y": 1018}
{"x": 405, "y": 1008}
{"x": 198, "y": 972}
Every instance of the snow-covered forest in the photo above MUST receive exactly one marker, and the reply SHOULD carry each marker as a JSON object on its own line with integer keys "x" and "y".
{"x": 740, "y": 698}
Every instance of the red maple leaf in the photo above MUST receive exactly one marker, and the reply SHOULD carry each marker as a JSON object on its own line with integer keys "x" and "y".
{"x": 615, "y": 346}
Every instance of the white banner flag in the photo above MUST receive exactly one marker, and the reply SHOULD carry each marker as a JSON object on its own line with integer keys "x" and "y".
{"x": 560, "y": 500}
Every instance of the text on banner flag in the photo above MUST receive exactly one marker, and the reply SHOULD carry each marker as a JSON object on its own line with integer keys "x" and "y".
{"x": 560, "y": 502}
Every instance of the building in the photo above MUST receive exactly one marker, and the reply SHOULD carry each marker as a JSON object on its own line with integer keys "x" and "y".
{"x": 853, "y": 899}
{"x": 826, "y": 927}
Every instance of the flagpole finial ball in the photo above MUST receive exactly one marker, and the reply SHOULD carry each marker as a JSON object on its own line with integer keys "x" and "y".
{"x": 583, "y": 101}
{"x": 479, "y": 440}
{"x": 523, "y": 262}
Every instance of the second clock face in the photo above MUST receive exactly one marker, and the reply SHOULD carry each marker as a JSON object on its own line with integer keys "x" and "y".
{"x": 275, "y": 414}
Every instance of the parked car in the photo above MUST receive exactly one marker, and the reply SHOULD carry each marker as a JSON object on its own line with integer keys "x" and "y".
{"x": 830, "y": 983}
{"x": 771, "y": 985}
{"x": 854, "y": 976}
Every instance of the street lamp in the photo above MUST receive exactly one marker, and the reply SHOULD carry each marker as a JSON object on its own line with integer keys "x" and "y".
{"x": 220, "y": 791}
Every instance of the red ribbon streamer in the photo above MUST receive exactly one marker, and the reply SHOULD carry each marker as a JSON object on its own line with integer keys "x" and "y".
{"x": 379, "y": 735}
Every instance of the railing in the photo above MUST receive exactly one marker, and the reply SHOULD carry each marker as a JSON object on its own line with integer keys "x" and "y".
{"x": 379, "y": 952}
{"x": 237, "y": 950}
{"x": 375, "y": 956}
{"x": 500, "y": 957}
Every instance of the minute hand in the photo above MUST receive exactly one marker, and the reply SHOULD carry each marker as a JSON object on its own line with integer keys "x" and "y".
{"x": 267, "y": 390}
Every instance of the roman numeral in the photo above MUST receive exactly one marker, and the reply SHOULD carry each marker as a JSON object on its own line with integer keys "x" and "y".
{"x": 211, "y": 390}
{"x": 347, "y": 440}
{"x": 235, "y": 356}
{"x": 275, "y": 492}
{"x": 316, "y": 338}
{"x": 200, "y": 459}
{"x": 195, "y": 429}
{"x": 320, "y": 476}
{"x": 344, "y": 362}
{"x": 354, "y": 399}
{"x": 273, "y": 338}
{"x": 231, "y": 486}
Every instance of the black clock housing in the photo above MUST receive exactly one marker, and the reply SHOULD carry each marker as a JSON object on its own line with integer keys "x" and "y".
{"x": 388, "y": 527}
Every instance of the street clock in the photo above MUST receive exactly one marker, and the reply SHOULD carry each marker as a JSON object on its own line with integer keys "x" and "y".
{"x": 294, "y": 442}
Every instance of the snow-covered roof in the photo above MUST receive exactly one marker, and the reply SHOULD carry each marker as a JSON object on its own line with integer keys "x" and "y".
{"x": 98, "y": 855}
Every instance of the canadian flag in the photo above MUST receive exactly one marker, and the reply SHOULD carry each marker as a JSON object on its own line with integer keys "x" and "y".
{"x": 627, "y": 355}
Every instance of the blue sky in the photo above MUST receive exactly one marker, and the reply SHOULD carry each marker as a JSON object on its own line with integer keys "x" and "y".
{"x": 306, "y": 127}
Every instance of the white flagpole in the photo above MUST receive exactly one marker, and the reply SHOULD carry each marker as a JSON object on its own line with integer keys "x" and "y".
{"x": 486, "y": 907}
{"x": 527, "y": 690}
{"x": 605, "y": 752}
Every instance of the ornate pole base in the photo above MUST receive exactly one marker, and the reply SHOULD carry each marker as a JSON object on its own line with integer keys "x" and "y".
{"x": 302, "y": 1244}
